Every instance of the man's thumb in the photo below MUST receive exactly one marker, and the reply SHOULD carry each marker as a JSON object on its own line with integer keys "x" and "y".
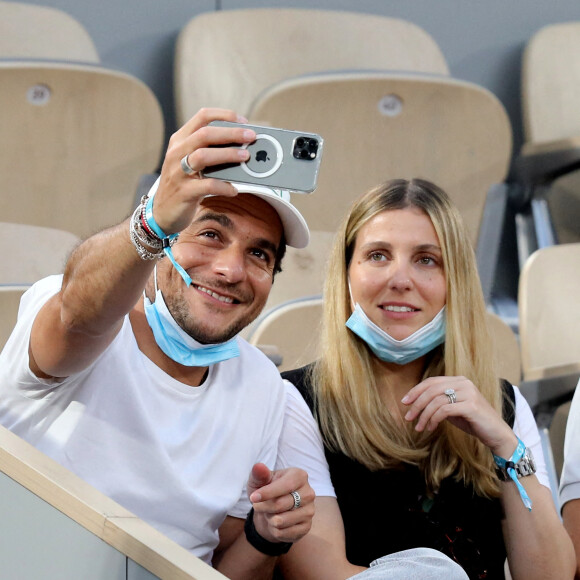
{"x": 261, "y": 475}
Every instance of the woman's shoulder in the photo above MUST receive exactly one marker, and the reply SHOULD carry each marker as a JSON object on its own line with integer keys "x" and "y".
{"x": 300, "y": 378}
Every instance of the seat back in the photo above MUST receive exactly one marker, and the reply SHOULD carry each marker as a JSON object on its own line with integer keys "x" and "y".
{"x": 379, "y": 126}
{"x": 41, "y": 32}
{"x": 215, "y": 67}
{"x": 74, "y": 142}
{"x": 35, "y": 252}
{"x": 9, "y": 302}
{"x": 551, "y": 83}
{"x": 293, "y": 328}
{"x": 549, "y": 312}
{"x": 506, "y": 348}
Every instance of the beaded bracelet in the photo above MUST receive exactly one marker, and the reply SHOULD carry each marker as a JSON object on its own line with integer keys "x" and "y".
{"x": 145, "y": 225}
{"x": 508, "y": 465}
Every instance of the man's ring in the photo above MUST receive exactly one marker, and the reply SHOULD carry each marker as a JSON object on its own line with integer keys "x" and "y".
{"x": 297, "y": 501}
{"x": 450, "y": 394}
{"x": 186, "y": 167}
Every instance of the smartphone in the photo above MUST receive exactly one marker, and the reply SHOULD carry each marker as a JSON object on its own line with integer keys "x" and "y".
{"x": 279, "y": 158}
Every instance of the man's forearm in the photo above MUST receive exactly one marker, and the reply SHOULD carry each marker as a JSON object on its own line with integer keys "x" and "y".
{"x": 103, "y": 280}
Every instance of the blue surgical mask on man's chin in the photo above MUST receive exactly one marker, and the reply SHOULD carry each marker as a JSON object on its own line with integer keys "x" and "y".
{"x": 176, "y": 343}
{"x": 395, "y": 351}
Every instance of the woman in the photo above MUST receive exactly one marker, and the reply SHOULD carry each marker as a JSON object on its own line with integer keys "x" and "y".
{"x": 415, "y": 422}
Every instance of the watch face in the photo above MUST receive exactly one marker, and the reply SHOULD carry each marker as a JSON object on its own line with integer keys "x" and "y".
{"x": 526, "y": 465}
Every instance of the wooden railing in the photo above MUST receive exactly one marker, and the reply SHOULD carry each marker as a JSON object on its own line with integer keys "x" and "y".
{"x": 49, "y": 518}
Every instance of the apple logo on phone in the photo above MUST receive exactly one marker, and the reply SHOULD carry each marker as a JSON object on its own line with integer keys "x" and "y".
{"x": 266, "y": 156}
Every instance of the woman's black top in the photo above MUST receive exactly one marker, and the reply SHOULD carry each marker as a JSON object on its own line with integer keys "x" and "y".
{"x": 388, "y": 510}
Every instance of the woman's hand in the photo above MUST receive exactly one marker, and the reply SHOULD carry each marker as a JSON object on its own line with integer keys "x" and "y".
{"x": 429, "y": 405}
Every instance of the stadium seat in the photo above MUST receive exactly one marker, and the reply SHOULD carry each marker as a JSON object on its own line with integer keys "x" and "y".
{"x": 215, "y": 67}
{"x": 549, "y": 306}
{"x": 506, "y": 348}
{"x": 549, "y": 303}
{"x": 75, "y": 141}
{"x": 35, "y": 252}
{"x": 40, "y": 32}
{"x": 379, "y": 126}
{"x": 549, "y": 161}
{"x": 292, "y": 331}
{"x": 9, "y": 302}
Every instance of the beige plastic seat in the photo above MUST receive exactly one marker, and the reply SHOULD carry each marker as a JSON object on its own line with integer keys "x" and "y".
{"x": 506, "y": 349}
{"x": 213, "y": 67}
{"x": 9, "y": 302}
{"x": 549, "y": 312}
{"x": 549, "y": 161}
{"x": 549, "y": 305}
{"x": 379, "y": 126}
{"x": 41, "y": 32}
{"x": 35, "y": 252}
{"x": 75, "y": 141}
{"x": 293, "y": 330}
{"x": 551, "y": 88}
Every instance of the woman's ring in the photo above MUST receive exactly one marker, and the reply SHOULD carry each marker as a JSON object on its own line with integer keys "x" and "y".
{"x": 186, "y": 167}
{"x": 450, "y": 394}
{"x": 297, "y": 500}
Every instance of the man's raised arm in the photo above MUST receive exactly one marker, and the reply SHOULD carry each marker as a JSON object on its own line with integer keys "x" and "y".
{"x": 105, "y": 276}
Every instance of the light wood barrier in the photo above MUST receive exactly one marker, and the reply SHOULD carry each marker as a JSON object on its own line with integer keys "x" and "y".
{"x": 54, "y": 525}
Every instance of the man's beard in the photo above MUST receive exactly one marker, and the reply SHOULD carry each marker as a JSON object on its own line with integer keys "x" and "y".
{"x": 180, "y": 310}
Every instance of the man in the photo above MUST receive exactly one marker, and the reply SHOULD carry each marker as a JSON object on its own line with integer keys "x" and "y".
{"x": 128, "y": 370}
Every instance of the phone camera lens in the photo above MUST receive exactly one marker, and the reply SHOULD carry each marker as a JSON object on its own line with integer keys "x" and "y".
{"x": 313, "y": 143}
{"x": 300, "y": 142}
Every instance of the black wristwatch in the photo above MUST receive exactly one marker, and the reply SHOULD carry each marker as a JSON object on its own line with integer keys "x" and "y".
{"x": 525, "y": 466}
{"x": 261, "y": 544}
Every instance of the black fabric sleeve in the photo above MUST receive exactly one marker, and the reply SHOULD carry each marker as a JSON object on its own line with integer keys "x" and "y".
{"x": 509, "y": 402}
{"x": 299, "y": 378}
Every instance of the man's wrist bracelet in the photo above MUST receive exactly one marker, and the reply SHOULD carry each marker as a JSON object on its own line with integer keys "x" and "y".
{"x": 261, "y": 544}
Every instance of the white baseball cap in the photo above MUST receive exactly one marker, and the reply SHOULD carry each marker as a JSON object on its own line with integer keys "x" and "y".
{"x": 295, "y": 227}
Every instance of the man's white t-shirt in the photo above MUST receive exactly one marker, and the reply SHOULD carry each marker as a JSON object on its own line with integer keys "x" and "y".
{"x": 570, "y": 479}
{"x": 177, "y": 456}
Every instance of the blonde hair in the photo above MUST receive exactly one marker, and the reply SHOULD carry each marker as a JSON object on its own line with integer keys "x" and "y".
{"x": 352, "y": 417}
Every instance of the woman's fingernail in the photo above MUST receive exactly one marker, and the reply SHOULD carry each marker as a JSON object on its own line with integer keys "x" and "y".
{"x": 249, "y": 134}
{"x": 242, "y": 119}
{"x": 408, "y": 415}
{"x": 405, "y": 399}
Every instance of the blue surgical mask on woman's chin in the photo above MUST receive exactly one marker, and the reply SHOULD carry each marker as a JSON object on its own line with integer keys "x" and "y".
{"x": 177, "y": 344}
{"x": 395, "y": 351}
